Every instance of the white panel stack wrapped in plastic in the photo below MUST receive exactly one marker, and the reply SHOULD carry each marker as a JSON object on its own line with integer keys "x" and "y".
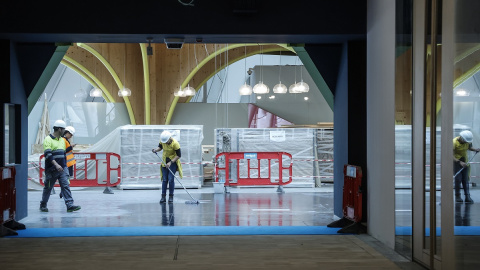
{"x": 141, "y": 167}
{"x": 311, "y": 150}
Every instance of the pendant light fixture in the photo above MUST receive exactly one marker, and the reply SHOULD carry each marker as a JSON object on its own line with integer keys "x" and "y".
{"x": 124, "y": 92}
{"x": 294, "y": 87}
{"x": 179, "y": 92}
{"x": 189, "y": 91}
{"x": 260, "y": 87}
{"x": 80, "y": 92}
{"x": 280, "y": 88}
{"x": 245, "y": 89}
{"x": 95, "y": 92}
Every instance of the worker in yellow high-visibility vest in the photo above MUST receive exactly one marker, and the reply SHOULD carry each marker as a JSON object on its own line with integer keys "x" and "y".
{"x": 56, "y": 168}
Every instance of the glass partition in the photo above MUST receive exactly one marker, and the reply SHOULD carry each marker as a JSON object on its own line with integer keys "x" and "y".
{"x": 403, "y": 129}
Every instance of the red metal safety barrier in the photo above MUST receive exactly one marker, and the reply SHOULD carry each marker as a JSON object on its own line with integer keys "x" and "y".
{"x": 7, "y": 194}
{"x": 244, "y": 161}
{"x": 352, "y": 193}
{"x": 352, "y": 202}
{"x": 91, "y": 158}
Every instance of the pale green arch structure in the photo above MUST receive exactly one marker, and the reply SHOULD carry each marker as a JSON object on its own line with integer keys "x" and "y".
{"x": 146, "y": 79}
{"x": 81, "y": 71}
{"x": 114, "y": 75}
{"x": 69, "y": 62}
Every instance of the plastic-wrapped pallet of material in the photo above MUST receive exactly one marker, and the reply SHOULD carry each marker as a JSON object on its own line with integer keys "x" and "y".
{"x": 308, "y": 147}
{"x": 141, "y": 168}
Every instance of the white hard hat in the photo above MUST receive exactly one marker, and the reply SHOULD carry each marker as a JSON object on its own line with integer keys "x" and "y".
{"x": 165, "y": 136}
{"x": 467, "y": 136}
{"x": 70, "y": 129}
{"x": 59, "y": 123}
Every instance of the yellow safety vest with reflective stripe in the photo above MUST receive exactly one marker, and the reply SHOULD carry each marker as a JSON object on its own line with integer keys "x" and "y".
{"x": 54, "y": 149}
{"x": 69, "y": 153}
{"x": 169, "y": 151}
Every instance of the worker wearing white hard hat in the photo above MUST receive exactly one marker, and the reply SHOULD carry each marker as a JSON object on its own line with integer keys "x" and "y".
{"x": 54, "y": 147}
{"x": 461, "y": 166}
{"x": 68, "y": 135}
{"x": 170, "y": 164}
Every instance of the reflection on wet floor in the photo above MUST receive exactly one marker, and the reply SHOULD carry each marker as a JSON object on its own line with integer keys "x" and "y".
{"x": 462, "y": 214}
{"x": 239, "y": 207}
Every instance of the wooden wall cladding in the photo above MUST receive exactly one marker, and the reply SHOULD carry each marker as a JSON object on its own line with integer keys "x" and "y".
{"x": 168, "y": 69}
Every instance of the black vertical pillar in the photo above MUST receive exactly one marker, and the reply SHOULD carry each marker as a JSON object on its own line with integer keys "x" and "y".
{"x": 357, "y": 112}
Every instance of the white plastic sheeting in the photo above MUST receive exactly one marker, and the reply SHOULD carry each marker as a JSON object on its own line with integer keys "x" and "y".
{"x": 141, "y": 168}
{"x": 311, "y": 150}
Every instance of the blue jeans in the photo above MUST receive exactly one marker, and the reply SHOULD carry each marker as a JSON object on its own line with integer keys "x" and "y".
{"x": 50, "y": 179}
{"x": 168, "y": 179}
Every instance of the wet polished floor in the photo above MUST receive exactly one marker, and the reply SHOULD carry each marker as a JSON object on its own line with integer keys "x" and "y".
{"x": 239, "y": 207}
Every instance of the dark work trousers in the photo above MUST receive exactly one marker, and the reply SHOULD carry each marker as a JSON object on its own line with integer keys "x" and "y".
{"x": 50, "y": 179}
{"x": 168, "y": 179}
{"x": 462, "y": 177}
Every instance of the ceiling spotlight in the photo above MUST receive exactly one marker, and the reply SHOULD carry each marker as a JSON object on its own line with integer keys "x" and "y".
{"x": 271, "y": 97}
{"x": 259, "y": 97}
{"x": 305, "y": 98}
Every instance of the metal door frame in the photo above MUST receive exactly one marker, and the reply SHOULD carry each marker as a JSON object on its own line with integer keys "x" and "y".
{"x": 443, "y": 258}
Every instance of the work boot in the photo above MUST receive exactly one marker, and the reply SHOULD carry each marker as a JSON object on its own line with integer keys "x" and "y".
{"x": 73, "y": 208}
{"x": 458, "y": 199}
{"x": 43, "y": 207}
{"x": 170, "y": 198}
{"x": 163, "y": 199}
{"x": 468, "y": 199}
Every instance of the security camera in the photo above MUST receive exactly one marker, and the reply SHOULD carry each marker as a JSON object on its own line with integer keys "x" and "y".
{"x": 250, "y": 71}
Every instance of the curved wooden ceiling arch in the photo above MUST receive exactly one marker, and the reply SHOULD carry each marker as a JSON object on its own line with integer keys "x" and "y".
{"x": 466, "y": 63}
{"x": 112, "y": 66}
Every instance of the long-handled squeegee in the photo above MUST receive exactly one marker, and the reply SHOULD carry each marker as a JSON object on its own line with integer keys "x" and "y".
{"x": 187, "y": 202}
{"x": 465, "y": 165}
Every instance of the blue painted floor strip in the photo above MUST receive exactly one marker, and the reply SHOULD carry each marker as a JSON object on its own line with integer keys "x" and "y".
{"x": 458, "y": 230}
{"x": 166, "y": 231}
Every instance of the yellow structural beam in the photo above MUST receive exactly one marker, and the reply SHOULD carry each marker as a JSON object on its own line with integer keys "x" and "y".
{"x": 77, "y": 67}
{"x": 114, "y": 75}
{"x": 465, "y": 76}
{"x": 146, "y": 79}
{"x": 85, "y": 76}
